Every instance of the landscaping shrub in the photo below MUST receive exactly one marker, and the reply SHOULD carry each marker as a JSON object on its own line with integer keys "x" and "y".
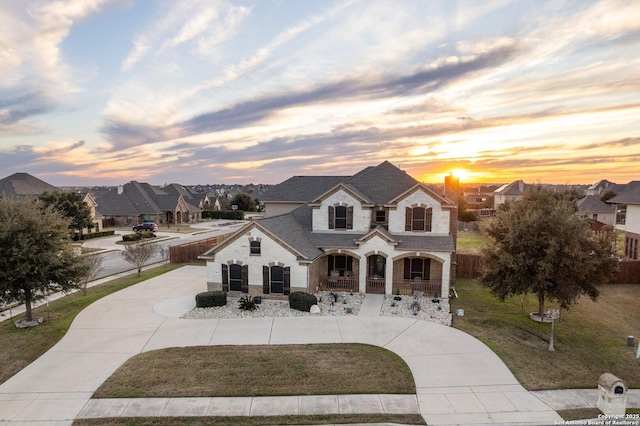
{"x": 231, "y": 215}
{"x": 302, "y": 301}
{"x": 131, "y": 237}
{"x": 96, "y": 235}
{"x": 209, "y": 299}
{"x": 147, "y": 234}
{"x": 247, "y": 303}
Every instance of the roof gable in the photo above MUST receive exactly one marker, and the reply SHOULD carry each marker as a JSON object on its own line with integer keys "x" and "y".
{"x": 444, "y": 201}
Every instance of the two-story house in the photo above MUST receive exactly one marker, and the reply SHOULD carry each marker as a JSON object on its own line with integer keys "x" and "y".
{"x": 374, "y": 232}
{"x": 631, "y": 199}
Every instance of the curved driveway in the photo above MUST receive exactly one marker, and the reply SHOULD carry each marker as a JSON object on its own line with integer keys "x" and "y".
{"x": 458, "y": 379}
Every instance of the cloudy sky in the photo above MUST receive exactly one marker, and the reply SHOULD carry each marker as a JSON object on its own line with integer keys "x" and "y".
{"x": 104, "y": 92}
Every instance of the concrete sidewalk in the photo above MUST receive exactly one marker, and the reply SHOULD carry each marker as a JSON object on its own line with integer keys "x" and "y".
{"x": 459, "y": 380}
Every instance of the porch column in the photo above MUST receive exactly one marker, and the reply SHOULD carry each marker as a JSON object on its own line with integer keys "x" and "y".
{"x": 362, "y": 275}
{"x": 388, "y": 275}
{"x": 446, "y": 276}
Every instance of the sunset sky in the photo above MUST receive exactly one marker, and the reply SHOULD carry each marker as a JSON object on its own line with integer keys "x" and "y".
{"x": 104, "y": 92}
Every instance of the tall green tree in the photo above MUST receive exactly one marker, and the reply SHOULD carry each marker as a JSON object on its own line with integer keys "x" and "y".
{"x": 71, "y": 204}
{"x": 244, "y": 202}
{"x": 540, "y": 245}
{"x": 36, "y": 256}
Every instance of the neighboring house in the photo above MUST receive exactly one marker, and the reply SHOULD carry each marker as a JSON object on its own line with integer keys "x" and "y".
{"x": 631, "y": 199}
{"x": 96, "y": 217}
{"x": 21, "y": 185}
{"x": 599, "y": 187}
{"x": 513, "y": 191}
{"x": 374, "y": 232}
{"x": 24, "y": 185}
{"x": 137, "y": 202}
{"x": 591, "y": 207}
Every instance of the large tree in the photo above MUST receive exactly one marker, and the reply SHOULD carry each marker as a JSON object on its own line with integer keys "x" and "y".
{"x": 244, "y": 202}
{"x": 36, "y": 256}
{"x": 71, "y": 204}
{"x": 540, "y": 245}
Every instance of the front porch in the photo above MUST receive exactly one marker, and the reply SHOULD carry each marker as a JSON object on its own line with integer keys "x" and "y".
{"x": 377, "y": 274}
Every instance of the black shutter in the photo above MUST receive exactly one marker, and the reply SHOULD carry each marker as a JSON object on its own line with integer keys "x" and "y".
{"x": 245, "y": 278}
{"x": 408, "y": 219}
{"x": 225, "y": 277}
{"x": 332, "y": 217}
{"x": 287, "y": 280}
{"x": 427, "y": 219}
{"x": 350, "y": 217}
{"x": 407, "y": 268}
{"x": 265, "y": 280}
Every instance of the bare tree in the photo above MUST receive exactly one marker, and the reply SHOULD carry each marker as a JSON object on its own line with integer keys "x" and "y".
{"x": 94, "y": 263}
{"x": 138, "y": 253}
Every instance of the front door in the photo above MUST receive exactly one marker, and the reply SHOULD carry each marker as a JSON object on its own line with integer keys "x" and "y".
{"x": 376, "y": 266}
{"x": 235, "y": 277}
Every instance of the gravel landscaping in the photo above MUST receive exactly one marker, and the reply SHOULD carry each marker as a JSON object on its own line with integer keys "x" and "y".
{"x": 346, "y": 304}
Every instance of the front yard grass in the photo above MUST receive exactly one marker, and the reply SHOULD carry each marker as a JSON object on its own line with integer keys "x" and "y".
{"x": 216, "y": 371}
{"x": 471, "y": 242}
{"x": 20, "y": 347}
{"x": 589, "y": 340}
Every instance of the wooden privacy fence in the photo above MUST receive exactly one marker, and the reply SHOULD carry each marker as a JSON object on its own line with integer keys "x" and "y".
{"x": 470, "y": 265}
{"x": 189, "y": 252}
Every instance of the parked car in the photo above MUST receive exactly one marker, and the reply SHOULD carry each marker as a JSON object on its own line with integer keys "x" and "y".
{"x": 146, "y": 226}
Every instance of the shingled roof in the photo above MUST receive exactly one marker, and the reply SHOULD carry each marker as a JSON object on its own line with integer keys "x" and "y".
{"x": 591, "y": 203}
{"x": 631, "y": 196}
{"x": 302, "y": 188}
{"x": 24, "y": 185}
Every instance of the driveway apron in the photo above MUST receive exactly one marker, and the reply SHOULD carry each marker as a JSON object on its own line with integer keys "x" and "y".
{"x": 459, "y": 380}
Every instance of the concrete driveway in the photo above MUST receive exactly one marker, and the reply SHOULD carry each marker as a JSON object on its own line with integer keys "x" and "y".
{"x": 459, "y": 380}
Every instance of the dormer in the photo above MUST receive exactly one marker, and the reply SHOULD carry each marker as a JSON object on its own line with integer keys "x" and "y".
{"x": 341, "y": 209}
{"x": 420, "y": 210}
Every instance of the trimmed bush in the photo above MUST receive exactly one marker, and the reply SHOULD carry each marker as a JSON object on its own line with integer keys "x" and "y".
{"x": 96, "y": 235}
{"x": 230, "y": 215}
{"x": 209, "y": 299}
{"x": 302, "y": 301}
{"x": 131, "y": 237}
{"x": 147, "y": 234}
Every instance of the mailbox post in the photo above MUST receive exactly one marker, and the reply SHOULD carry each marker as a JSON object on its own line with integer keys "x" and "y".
{"x": 612, "y": 395}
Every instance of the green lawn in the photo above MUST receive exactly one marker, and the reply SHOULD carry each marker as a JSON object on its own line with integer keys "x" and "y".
{"x": 589, "y": 340}
{"x": 470, "y": 242}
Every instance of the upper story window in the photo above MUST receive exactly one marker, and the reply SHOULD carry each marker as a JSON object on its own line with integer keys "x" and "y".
{"x": 254, "y": 247}
{"x": 381, "y": 216}
{"x": 418, "y": 219}
{"x": 340, "y": 217}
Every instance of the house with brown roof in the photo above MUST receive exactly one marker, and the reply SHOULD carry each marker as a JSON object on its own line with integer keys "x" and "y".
{"x": 377, "y": 231}
{"x": 24, "y": 185}
{"x": 137, "y": 202}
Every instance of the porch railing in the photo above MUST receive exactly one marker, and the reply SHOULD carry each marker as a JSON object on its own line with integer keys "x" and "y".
{"x": 376, "y": 285}
{"x": 408, "y": 287}
{"x": 339, "y": 284}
